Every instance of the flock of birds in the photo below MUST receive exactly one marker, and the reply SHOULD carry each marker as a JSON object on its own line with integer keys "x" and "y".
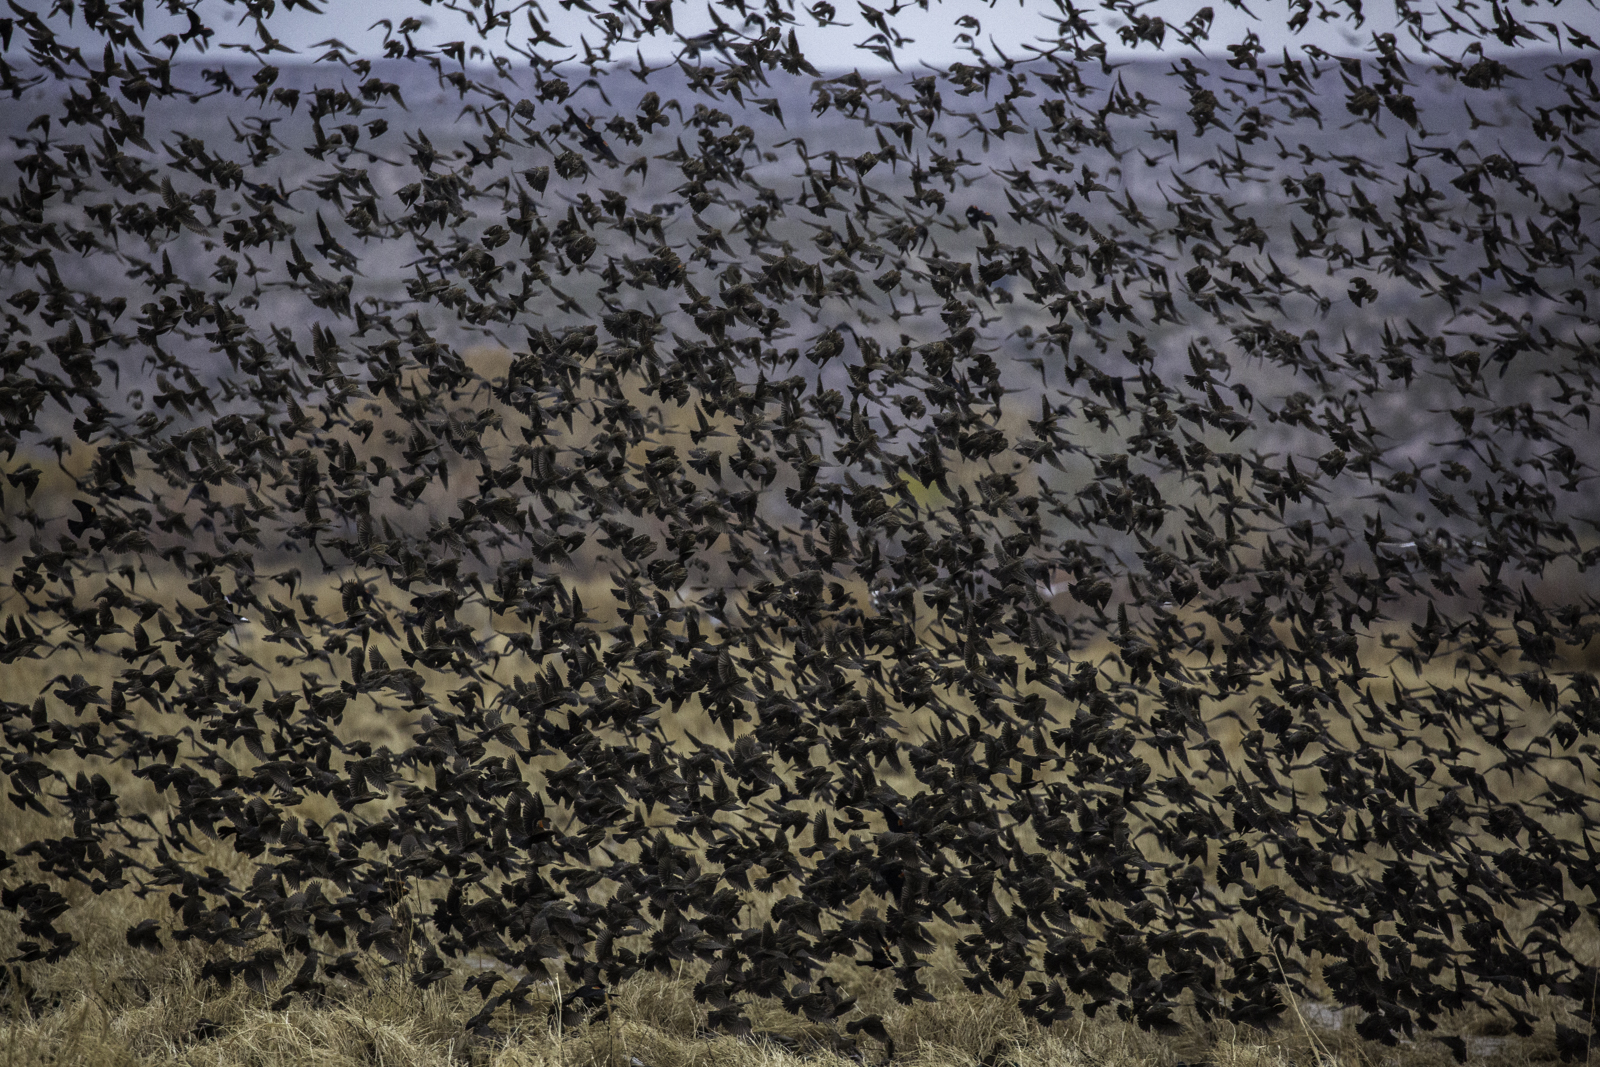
{"x": 999, "y": 554}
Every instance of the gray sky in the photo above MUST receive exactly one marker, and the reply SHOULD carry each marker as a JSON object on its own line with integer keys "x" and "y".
{"x": 1007, "y": 25}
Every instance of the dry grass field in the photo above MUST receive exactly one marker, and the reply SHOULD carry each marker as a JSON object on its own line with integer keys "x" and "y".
{"x": 110, "y": 1004}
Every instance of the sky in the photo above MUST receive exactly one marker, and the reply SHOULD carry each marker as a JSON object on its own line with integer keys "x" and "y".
{"x": 943, "y": 34}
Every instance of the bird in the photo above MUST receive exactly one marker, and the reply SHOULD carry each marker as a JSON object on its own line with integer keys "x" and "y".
{"x": 592, "y": 139}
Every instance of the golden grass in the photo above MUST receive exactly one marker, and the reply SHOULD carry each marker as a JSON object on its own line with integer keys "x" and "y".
{"x": 107, "y": 1004}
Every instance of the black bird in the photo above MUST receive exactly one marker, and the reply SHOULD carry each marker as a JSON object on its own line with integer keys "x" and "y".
{"x": 591, "y": 138}
{"x": 976, "y": 217}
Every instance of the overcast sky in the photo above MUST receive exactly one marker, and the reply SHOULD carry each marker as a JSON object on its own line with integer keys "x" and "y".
{"x": 935, "y": 36}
